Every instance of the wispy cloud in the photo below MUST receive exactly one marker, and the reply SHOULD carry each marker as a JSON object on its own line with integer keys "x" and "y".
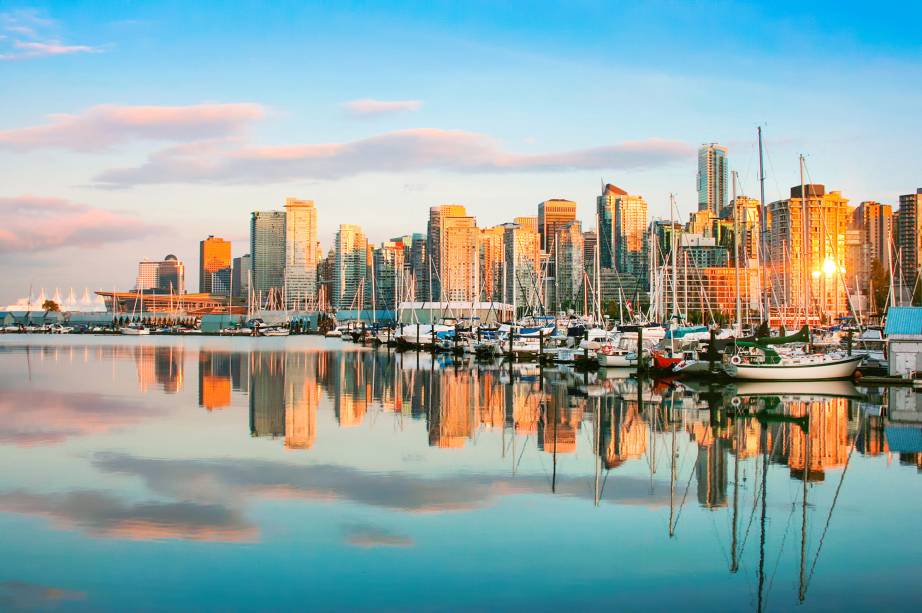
{"x": 30, "y": 35}
{"x": 369, "y": 107}
{"x": 391, "y": 152}
{"x": 38, "y": 224}
{"x": 100, "y": 127}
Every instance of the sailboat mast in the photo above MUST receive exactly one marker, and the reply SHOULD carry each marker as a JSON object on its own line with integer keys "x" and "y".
{"x": 736, "y": 258}
{"x": 762, "y": 230}
{"x": 806, "y": 247}
{"x": 675, "y": 247}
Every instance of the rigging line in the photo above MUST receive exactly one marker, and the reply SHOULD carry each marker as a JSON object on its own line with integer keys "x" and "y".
{"x": 832, "y": 508}
{"x": 787, "y": 528}
{"x": 691, "y": 474}
{"x": 757, "y": 494}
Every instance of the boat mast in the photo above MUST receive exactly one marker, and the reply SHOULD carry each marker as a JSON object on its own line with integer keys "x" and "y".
{"x": 805, "y": 246}
{"x": 762, "y": 229}
{"x": 736, "y": 257}
{"x": 675, "y": 247}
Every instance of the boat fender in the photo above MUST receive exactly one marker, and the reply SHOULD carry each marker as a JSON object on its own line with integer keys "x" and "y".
{"x": 736, "y": 401}
{"x": 736, "y": 360}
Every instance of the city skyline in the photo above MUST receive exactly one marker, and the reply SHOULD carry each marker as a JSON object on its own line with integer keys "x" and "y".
{"x": 117, "y": 140}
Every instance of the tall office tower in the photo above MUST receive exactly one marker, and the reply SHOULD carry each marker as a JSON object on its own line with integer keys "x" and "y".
{"x": 631, "y": 234}
{"x": 267, "y": 251}
{"x": 713, "y": 173}
{"x": 300, "y": 253}
{"x": 569, "y": 264}
{"x": 389, "y": 276}
{"x": 817, "y": 265}
{"x": 606, "y": 206}
{"x": 459, "y": 268}
{"x": 874, "y": 223}
{"x": 590, "y": 250}
{"x": 437, "y": 215}
{"x": 240, "y": 276}
{"x": 419, "y": 267}
{"x": 492, "y": 257}
{"x": 553, "y": 215}
{"x": 522, "y": 247}
{"x": 350, "y": 267}
{"x": 325, "y": 276}
{"x": 746, "y": 212}
{"x": 164, "y": 276}
{"x": 909, "y": 237}
{"x": 215, "y": 262}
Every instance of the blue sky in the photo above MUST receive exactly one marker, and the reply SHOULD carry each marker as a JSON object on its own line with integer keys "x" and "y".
{"x": 497, "y": 106}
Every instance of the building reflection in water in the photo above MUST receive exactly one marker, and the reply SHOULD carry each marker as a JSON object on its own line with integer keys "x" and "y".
{"x": 810, "y": 434}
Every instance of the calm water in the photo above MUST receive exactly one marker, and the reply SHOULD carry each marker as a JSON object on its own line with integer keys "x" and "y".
{"x": 220, "y": 473}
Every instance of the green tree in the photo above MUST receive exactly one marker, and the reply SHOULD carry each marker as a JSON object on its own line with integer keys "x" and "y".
{"x": 880, "y": 285}
{"x": 51, "y": 306}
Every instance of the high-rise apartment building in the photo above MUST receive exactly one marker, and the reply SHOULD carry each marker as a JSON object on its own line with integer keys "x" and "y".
{"x": 164, "y": 276}
{"x": 522, "y": 247}
{"x": 492, "y": 257}
{"x": 389, "y": 276}
{"x": 746, "y": 211}
{"x": 434, "y": 235}
{"x": 459, "y": 260}
{"x": 350, "y": 267}
{"x": 873, "y": 222}
{"x": 553, "y": 215}
{"x": 816, "y": 267}
{"x": 300, "y": 253}
{"x": 713, "y": 173}
{"x": 569, "y": 265}
{"x": 590, "y": 250}
{"x": 419, "y": 265}
{"x": 909, "y": 237}
{"x": 267, "y": 250}
{"x": 527, "y": 222}
{"x": 215, "y": 265}
{"x": 631, "y": 233}
{"x": 240, "y": 276}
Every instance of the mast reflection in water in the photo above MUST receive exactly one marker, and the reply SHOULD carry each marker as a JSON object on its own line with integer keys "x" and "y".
{"x": 371, "y": 459}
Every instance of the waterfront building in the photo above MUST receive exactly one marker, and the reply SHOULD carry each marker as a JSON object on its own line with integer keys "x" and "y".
{"x": 909, "y": 237}
{"x": 553, "y": 215}
{"x": 214, "y": 266}
{"x": 704, "y": 294}
{"x": 746, "y": 211}
{"x": 388, "y": 262}
{"x": 818, "y": 265}
{"x": 325, "y": 275}
{"x": 527, "y": 222}
{"x": 350, "y": 266}
{"x": 460, "y": 259}
{"x": 240, "y": 276}
{"x": 874, "y": 221}
{"x": 492, "y": 257}
{"x": 569, "y": 265}
{"x": 701, "y": 251}
{"x": 713, "y": 173}
{"x": 267, "y": 252}
{"x": 419, "y": 267}
{"x": 163, "y": 276}
{"x": 300, "y": 253}
{"x": 606, "y": 205}
{"x": 434, "y": 239}
{"x": 590, "y": 250}
{"x": 522, "y": 253}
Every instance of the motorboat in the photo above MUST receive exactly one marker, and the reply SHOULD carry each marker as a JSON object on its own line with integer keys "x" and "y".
{"x": 274, "y": 331}
{"x": 616, "y": 357}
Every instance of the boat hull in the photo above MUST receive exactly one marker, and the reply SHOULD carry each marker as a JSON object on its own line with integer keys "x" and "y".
{"x": 837, "y": 369}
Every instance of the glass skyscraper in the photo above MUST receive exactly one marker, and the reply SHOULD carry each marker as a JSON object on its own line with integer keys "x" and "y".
{"x": 713, "y": 179}
{"x": 267, "y": 250}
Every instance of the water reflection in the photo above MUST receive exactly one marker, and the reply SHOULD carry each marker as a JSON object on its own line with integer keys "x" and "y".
{"x": 757, "y": 468}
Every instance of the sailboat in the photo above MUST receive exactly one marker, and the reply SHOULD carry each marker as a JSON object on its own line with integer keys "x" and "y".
{"x": 135, "y": 328}
{"x": 762, "y": 363}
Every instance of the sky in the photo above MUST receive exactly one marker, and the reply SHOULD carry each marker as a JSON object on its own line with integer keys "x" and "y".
{"x": 133, "y": 130}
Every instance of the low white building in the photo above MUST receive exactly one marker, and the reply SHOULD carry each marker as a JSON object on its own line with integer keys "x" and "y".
{"x": 434, "y": 312}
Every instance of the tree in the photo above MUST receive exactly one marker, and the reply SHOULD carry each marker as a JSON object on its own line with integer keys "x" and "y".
{"x": 51, "y": 306}
{"x": 880, "y": 283}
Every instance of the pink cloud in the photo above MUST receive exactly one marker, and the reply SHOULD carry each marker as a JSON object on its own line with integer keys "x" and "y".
{"x": 34, "y": 223}
{"x": 368, "y": 107}
{"x": 101, "y": 127}
{"x": 31, "y": 25}
{"x": 420, "y": 149}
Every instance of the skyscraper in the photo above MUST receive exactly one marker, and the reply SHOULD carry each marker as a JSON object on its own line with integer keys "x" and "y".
{"x": 713, "y": 173}
{"x": 300, "y": 253}
{"x": 491, "y": 263}
{"x": 164, "y": 276}
{"x": 388, "y": 261}
{"x": 630, "y": 235}
{"x": 350, "y": 266}
{"x": 523, "y": 255}
{"x": 569, "y": 264}
{"x": 214, "y": 275}
{"x": 909, "y": 237}
{"x": 419, "y": 265}
{"x": 434, "y": 238}
{"x": 553, "y": 215}
{"x": 874, "y": 223}
{"x": 606, "y": 205}
{"x": 267, "y": 250}
{"x": 240, "y": 275}
{"x": 459, "y": 262}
